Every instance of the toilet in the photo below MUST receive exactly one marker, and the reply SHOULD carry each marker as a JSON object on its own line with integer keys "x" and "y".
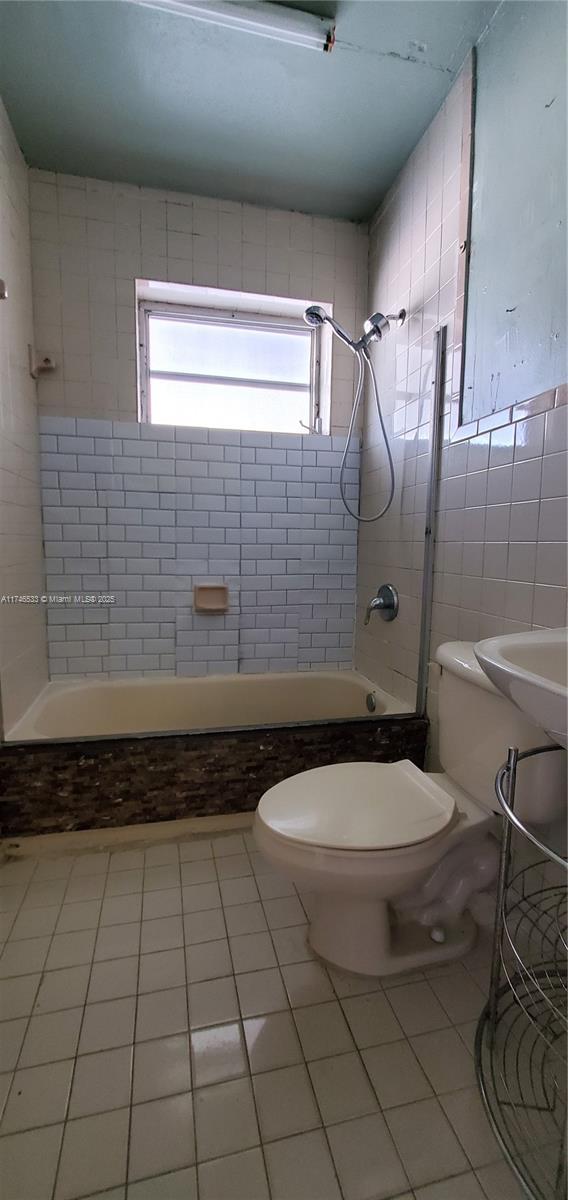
{"x": 394, "y": 855}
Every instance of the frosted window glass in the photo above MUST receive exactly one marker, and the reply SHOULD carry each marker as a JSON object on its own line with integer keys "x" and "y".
{"x": 222, "y": 406}
{"x": 189, "y": 348}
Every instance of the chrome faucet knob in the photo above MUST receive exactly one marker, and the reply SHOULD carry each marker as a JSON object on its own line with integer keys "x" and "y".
{"x": 386, "y": 601}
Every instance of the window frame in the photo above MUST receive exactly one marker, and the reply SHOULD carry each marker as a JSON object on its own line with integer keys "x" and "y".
{"x": 227, "y": 317}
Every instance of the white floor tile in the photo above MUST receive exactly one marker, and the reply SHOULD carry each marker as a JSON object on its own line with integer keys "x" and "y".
{"x": 24, "y": 958}
{"x": 499, "y": 1183}
{"x": 307, "y": 983}
{"x": 51, "y": 1036}
{"x": 161, "y": 1068}
{"x": 209, "y": 960}
{"x": 53, "y": 868}
{"x": 201, "y": 871}
{"x": 176, "y": 1185}
{"x": 122, "y": 883}
{"x": 84, "y": 914}
{"x": 261, "y": 992}
{"x": 445, "y": 1060}
{"x": 161, "y": 1014}
{"x": 218, "y": 1054}
{"x": 199, "y": 897}
{"x": 34, "y": 922}
{"x": 323, "y": 1030}
{"x": 272, "y": 1041}
{"x": 396, "y": 1074}
{"x": 91, "y": 864}
{"x": 284, "y": 912}
{"x": 12, "y": 1034}
{"x": 342, "y": 1088}
{"x": 426, "y": 1142}
{"x": 43, "y": 895}
{"x": 252, "y": 952}
{"x": 117, "y": 941}
{"x": 71, "y": 949}
{"x": 11, "y": 897}
{"x": 238, "y": 891}
{"x": 292, "y": 944}
{"x": 366, "y": 1160}
{"x": 245, "y": 918}
{"x": 465, "y": 1187}
{"x": 161, "y": 855}
{"x": 17, "y": 996}
{"x": 231, "y": 843}
{"x": 417, "y": 1008}
{"x": 204, "y": 926}
{"x": 38, "y": 1097}
{"x": 285, "y": 1102}
{"x": 161, "y": 970}
{"x": 371, "y": 1019}
{"x": 465, "y": 1111}
{"x": 82, "y": 889}
{"x": 459, "y": 996}
{"x": 107, "y": 1024}
{"x": 161, "y": 1136}
{"x": 93, "y": 1157}
{"x": 165, "y": 933}
{"x": 234, "y": 866}
{"x": 160, "y": 878}
{"x": 272, "y": 887}
{"x": 126, "y": 860}
{"x": 302, "y": 1167}
{"x": 101, "y": 1082}
{"x": 195, "y": 849}
{"x": 120, "y": 910}
{"x": 225, "y": 1119}
{"x": 236, "y": 1177}
{"x": 212, "y": 1002}
{"x": 113, "y": 979}
{"x": 28, "y": 1162}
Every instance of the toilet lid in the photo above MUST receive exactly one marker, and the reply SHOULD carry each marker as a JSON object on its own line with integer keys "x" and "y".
{"x": 358, "y": 806}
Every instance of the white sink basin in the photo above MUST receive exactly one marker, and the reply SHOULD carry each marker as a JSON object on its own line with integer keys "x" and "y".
{"x": 531, "y": 669}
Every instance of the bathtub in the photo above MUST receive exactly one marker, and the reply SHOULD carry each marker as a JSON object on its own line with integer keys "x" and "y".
{"x": 67, "y": 711}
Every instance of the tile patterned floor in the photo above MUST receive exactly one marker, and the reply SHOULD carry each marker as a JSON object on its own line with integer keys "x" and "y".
{"x": 166, "y": 1034}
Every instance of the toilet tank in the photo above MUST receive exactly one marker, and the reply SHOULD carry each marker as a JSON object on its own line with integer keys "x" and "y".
{"x": 477, "y": 725}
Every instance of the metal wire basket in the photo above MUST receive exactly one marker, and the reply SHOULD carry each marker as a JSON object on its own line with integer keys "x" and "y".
{"x": 522, "y": 1036}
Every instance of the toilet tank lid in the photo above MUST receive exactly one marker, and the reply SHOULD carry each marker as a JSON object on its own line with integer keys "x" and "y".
{"x": 458, "y": 657}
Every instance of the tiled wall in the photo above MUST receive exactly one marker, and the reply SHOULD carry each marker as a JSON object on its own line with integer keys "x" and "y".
{"x": 91, "y": 240}
{"x": 500, "y": 563}
{"x": 143, "y": 512}
{"x": 23, "y": 669}
{"x": 414, "y": 264}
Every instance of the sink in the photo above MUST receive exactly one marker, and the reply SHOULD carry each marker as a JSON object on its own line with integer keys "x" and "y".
{"x": 531, "y": 669}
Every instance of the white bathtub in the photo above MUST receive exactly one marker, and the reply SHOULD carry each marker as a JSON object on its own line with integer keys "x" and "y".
{"x": 117, "y": 708}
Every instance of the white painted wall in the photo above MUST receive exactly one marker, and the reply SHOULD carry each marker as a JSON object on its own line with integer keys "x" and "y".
{"x": 23, "y": 668}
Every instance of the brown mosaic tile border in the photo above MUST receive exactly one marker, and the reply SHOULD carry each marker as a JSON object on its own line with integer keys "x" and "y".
{"x": 58, "y": 788}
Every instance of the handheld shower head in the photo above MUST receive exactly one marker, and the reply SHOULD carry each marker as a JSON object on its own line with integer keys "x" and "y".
{"x": 315, "y": 315}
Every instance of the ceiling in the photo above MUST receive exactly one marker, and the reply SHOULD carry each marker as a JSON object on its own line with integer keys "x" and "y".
{"x": 117, "y": 91}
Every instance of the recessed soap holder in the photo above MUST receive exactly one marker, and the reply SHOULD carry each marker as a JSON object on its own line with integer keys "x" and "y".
{"x": 210, "y": 598}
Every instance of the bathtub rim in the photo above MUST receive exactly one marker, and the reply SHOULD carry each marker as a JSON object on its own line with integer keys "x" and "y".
{"x": 391, "y": 710}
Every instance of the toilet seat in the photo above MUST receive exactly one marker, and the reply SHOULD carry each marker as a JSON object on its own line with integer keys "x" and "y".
{"x": 358, "y": 807}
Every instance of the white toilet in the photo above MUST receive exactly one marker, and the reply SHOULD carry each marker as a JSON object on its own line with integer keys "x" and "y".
{"x": 366, "y": 837}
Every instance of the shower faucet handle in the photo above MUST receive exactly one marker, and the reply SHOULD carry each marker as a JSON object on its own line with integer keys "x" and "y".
{"x": 385, "y": 601}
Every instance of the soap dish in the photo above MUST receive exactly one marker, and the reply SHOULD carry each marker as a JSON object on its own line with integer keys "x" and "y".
{"x": 210, "y": 598}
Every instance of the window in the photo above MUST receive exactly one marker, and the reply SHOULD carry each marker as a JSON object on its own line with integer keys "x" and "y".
{"x": 228, "y": 369}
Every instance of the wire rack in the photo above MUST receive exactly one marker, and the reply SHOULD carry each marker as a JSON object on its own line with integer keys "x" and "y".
{"x": 521, "y": 1043}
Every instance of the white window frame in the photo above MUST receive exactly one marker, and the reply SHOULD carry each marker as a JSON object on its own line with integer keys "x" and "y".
{"x": 230, "y": 317}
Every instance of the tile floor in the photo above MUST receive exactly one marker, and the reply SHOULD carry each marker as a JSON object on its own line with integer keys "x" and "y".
{"x": 166, "y": 1033}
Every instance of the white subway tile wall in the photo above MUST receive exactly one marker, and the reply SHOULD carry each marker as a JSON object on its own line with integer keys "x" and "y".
{"x": 92, "y": 239}
{"x": 143, "y": 512}
{"x": 23, "y": 662}
{"x": 500, "y": 563}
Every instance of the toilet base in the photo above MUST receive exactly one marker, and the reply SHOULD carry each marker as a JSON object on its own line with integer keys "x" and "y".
{"x": 360, "y": 935}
